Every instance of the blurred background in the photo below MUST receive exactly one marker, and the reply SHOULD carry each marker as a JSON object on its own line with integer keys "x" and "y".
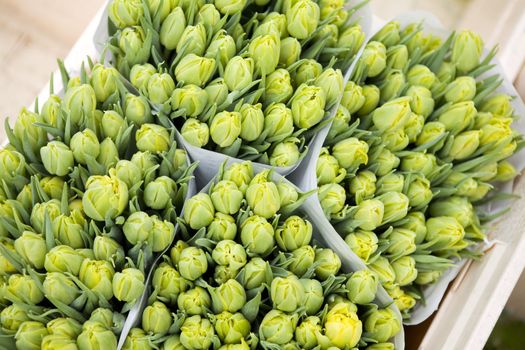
{"x": 33, "y": 34}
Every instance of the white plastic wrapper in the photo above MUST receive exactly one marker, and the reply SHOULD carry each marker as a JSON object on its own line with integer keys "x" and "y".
{"x": 306, "y": 177}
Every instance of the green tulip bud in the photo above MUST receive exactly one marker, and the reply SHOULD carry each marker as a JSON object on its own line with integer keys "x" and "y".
{"x": 389, "y": 35}
{"x": 57, "y": 158}
{"x": 302, "y": 18}
{"x": 466, "y": 51}
{"x": 340, "y": 122}
{"x": 97, "y": 275}
{"x": 278, "y": 88}
{"x": 257, "y": 235}
{"x": 430, "y": 132}
{"x": 137, "y": 110}
{"x": 307, "y": 71}
{"x": 224, "y": 273}
{"x": 229, "y": 253}
{"x": 395, "y": 205}
{"x": 362, "y": 287}
{"x": 12, "y": 317}
{"x": 302, "y": 260}
{"x": 285, "y": 154}
{"x": 32, "y": 248}
{"x": 193, "y": 41}
{"x": 84, "y": 143}
{"x": 351, "y": 153}
{"x": 465, "y": 144}
{"x": 252, "y": 121}
{"x": 424, "y": 163}
{"x": 422, "y": 102}
{"x": 160, "y": 87}
{"x": 290, "y": 51}
{"x": 382, "y": 325}
{"x": 419, "y": 192}
{"x": 352, "y": 38}
{"x": 331, "y": 82}
{"x": 25, "y": 289}
{"x": 240, "y": 173}
{"x": 459, "y": 208}
{"x": 294, "y": 233}
{"x": 263, "y": 199}
{"x": 353, "y": 98}
{"x": 401, "y": 242}
{"x": 196, "y": 70}
{"x": 113, "y": 124}
{"x": 397, "y": 57}
{"x": 5, "y": 265}
{"x": 225, "y": 128}
{"x": 64, "y": 327}
{"x": 287, "y": 293}
{"x": 105, "y": 196}
{"x": 140, "y": 74}
{"x": 80, "y": 103}
{"x": 370, "y": 214}
{"x": 274, "y": 24}
{"x": 415, "y": 222}
{"x": 156, "y": 318}
{"x": 104, "y": 81}
{"x": 392, "y": 115}
{"x": 447, "y": 72}
{"x": 135, "y": 45}
{"x": 420, "y": 75}
{"x": 445, "y": 231}
{"x": 343, "y": 329}
{"x": 506, "y": 172}
{"x": 125, "y": 13}
{"x": 381, "y": 266}
{"x": 328, "y": 169}
{"x": 108, "y": 155}
{"x": 362, "y": 243}
{"x": 278, "y": 122}
{"x": 395, "y": 140}
{"x": 405, "y": 270}
{"x": 460, "y": 90}
{"x": 392, "y": 182}
{"x": 128, "y": 285}
{"x": 194, "y": 301}
{"x": 392, "y": 86}
{"x": 231, "y": 328}
{"x": 162, "y": 235}
{"x": 238, "y": 73}
{"x": 63, "y": 258}
{"x": 57, "y": 286}
{"x": 173, "y": 343}
{"x": 137, "y": 339}
{"x": 384, "y": 162}
{"x": 458, "y": 116}
{"x": 160, "y": 192}
{"x": 414, "y": 126}
{"x": 371, "y": 94}
{"x": 428, "y": 277}
{"x": 229, "y": 296}
{"x": 328, "y": 263}
{"x": 307, "y": 331}
{"x": 50, "y": 110}
{"x": 137, "y": 227}
{"x": 265, "y": 50}
{"x": 96, "y": 336}
{"x": 106, "y": 248}
{"x": 69, "y": 229}
{"x": 277, "y": 327}
{"x": 196, "y": 333}
{"x": 52, "y": 186}
{"x": 499, "y": 105}
{"x": 191, "y": 98}
{"x": 25, "y": 197}
{"x": 217, "y": 91}
{"x": 332, "y": 197}
{"x": 230, "y": 7}
{"x": 195, "y": 132}
{"x": 222, "y": 227}
{"x": 39, "y": 211}
{"x": 313, "y": 295}
{"x": 175, "y": 251}
{"x": 13, "y": 165}
{"x": 496, "y": 132}
{"x": 192, "y": 263}
{"x": 158, "y": 8}
{"x": 374, "y": 58}
{"x": 172, "y": 28}
{"x": 29, "y": 335}
{"x": 168, "y": 283}
{"x": 209, "y": 16}
{"x": 199, "y": 211}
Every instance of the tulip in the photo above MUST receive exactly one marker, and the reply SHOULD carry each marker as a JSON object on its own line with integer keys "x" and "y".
{"x": 238, "y": 73}
{"x": 196, "y": 333}
{"x": 257, "y": 235}
{"x": 362, "y": 243}
{"x": 196, "y": 70}
{"x": 302, "y": 18}
{"x": 466, "y": 51}
{"x": 225, "y": 128}
{"x": 195, "y": 133}
{"x": 192, "y": 263}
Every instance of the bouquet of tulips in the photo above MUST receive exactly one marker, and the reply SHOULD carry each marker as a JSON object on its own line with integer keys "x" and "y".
{"x": 252, "y": 80}
{"x": 246, "y": 274}
{"x": 89, "y": 193}
{"x": 416, "y": 143}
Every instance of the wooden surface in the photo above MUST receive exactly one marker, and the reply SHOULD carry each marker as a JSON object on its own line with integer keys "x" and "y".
{"x": 33, "y": 34}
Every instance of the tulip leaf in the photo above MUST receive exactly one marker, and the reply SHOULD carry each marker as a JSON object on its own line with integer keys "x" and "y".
{"x": 250, "y": 310}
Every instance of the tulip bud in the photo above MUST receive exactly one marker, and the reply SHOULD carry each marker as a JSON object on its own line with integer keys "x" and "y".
{"x": 278, "y": 122}
{"x": 195, "y": 133}
{"x": 353, "y": 98}
{"x": 307, "y": 71}
{"x": 137, "y": 339}
{"x": 362, "y": 243}
{"x": 84, "y": 143}
{"x": 63, "y": 259}
{"x": 137, "y": 110}
{"x": 104, "y": 81}
{"x": 25, "y": 197}
{"x": 466, "y": 51}
{"x": 419, "y": 192}
{"x": 459, "y": 208}
{"x": 57, "y": 286}
{"x": 232, "y": 328}
{"x": 496, "y": 133}
{"x": 209, "y": 16}
{"x": 351, "y": 153}
{"x": 106, "y": 248}
{"x": 285, "y": 154}
{"x": 192, "y": 263}
{"x": 396, "y": 140}
{"x": 392, "y": 86}
{"x": 158, "y": 8}
{"x": 13, "y": 165}
{"x": 499, "y": 105}
{"x": 445, "y": 231}
{"x": 328, "y": 169}
{"x": 240, "y": 173}
{"x": 252, "y": 121}
{"x": 363, "y": 185}
{"x": 125, "y": 13}
{"x": 50, "y": 110}
{"x": 428, "y": 277}
{"x": 374, "y": 58}
{"x": 423, "y": 163}
{"x": 135, "y": 45}
{"x": 172, "y": 28}
{"x": 460, "y": 90}
{"x": 191, "y": 98}
{"x": 389, "y": 34}
{"x": 69, "y": 229}
{"x": 80, "y": 103}
{"x": 263, "y": 199}
{"x": 307, "y": 331}
{"x": 96, "y": 336}
{"x": 128, "y": 285}
{"x": 195, "y": 301}
{"x": 405, "y": 270}
{"x": 25, "y": 289}
{"x": 222, "y": 227}
{"x": 302, "y": 18}
{"x": 392, "y": 115}
{"x": 12, "y": 317}
{"x": 382, "y": 325}
{"x": 193, "y": 40}
{"x": 287, "y": 293}
{"x": 238, "y": 73}
{"x": 397, "y": 57}
{"x": 331, "y": 82}
{"x": 395, "y": 205}
{"x": 196, "y": 333}
{"x": 160, "y": 87}
{"x": 308, "y": 106}
{"x": 458, "y": 116}
{"x": 290, "y": 51}
{"x": 420, "y": 75}
{"x": 506, "y": 172}
{"x": 97, "y": 275}
{"x": 30, "y": 334}
{"x": 302, "y": 260}
{"x": 64, "y": 327}
{"x": 160, "y": 192}
{"x": 257, "y": 235}
{"x": 105, "y": 196}
{"x": 196, "y": 70}
{"x": 265, "y": 50}
{"x": 421, "y": 102}
{"x": 343, "y": 329}
{"x": 277, "y": 327}
{"x": 32, "y": 248}
{"x": 278, "y": 87}
{"x": 229, "y": 296}
{"x": 168, "y": 283}
{"x": 371, "y": 94}
{"x": 39, "y": 211}
{"x": 229, "y": 253}
{"x": 140, "y": 74}
{"x": 352, "y": 38}
{"x": 225, "y": 128}
{"x": 57, "y": 158}
{"x": 230, "y": 7}
{"x": 332, "y": 197}
{"x": 328, "y": 263}
{"x": 362, "y": 287}
{"x": 465, "y": 144}
{"x": 431, "y": 131}
{"x": 294, "y": 233}
{"x": 156, "y": 318}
